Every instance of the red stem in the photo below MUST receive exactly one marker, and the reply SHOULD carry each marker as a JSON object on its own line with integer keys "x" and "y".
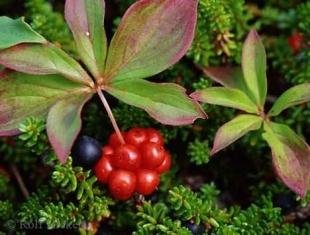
{"x": 20, "y": 181}
{"x": 110, "y": 114}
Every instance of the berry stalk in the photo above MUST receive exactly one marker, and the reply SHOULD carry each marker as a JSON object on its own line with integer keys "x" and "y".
{"x": 111, "y": 116}
{"x": 20, "y": 181}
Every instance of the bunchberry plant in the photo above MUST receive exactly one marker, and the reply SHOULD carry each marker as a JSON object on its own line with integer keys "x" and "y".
{"x": 41, "y": 80}
{"x": 246, "y": 89}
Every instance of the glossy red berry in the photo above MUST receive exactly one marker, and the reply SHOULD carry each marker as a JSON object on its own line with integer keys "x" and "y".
{"x": 135, "y": 165}
{"x": 147, "y": 181}
{"x": 127, "y": 157}
{"x": 166, "y": 164}
{"x": 154, "y": 136}
{"x": 103, "y": 168}
{"x": 122, "y": 184}
{"x": 295, "y": 41}
{"x": 153, "y": 155}
{"x": 136, "y": 136}
{"x": 114, "y": 141}
{"x": 107, "y": 150}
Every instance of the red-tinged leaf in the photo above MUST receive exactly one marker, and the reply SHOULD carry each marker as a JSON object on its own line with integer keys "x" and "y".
{"x": 228, "y": 97}
{"x": 14, "y": 32}
{"x": 295, "y": 95}
{"x": 23, "y": 96}
{"x": 152, "y": 36}
{"x": 41, "y": 60}
{"x": 166, "y": 102}
{"x": 254, "y": 67}
{"x": 291, "y": 156}
{"x": 229, "y": 77}
{"x": 86, "y": 21}
{"x": 235, "y": 129}
{"x": 64, "y": 123}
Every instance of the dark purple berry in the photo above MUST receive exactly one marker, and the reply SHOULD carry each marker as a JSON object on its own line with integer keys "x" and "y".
{"x": 152, "y": 198}
{"x": 86, "y": 152}
{"x": 285, "y": 201}
{"x": 105, "y": 229}
{"x": 196, "y": 229}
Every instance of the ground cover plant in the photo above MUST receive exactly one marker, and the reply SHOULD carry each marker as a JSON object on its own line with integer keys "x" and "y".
{"x": 108, "y": 114}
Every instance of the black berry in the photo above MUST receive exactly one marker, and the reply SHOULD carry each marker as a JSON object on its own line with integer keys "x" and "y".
{"x": 152, "y": 198}
{"x": 196, "y": 229}
{"x": 86, "y": 152}
{"x": 285, "y": 201}
{"x": 105, "y": 230}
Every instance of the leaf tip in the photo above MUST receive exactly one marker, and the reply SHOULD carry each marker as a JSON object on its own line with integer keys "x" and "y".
{"x": 196, "y": 96}
{"x": 201, "y": 113}
{"x": 216, "y": 147}
{"x": 213, "y": 152}
{"x": 253, "y": 35}
{"x": 252, "y": 40}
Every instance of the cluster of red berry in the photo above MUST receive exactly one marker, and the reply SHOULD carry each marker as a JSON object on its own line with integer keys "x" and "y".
{"x": 134, "y": 166}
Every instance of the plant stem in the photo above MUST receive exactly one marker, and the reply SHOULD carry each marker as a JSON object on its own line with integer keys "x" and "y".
{"x": 110, "y": 114}
{"x": 20, "y": 181}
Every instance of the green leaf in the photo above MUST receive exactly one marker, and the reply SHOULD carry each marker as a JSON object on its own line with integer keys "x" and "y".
{"x": 291, "y": 156}
{"x": 64, "y": 123}
{"x": 293, "y": 96}
{"x": 43, "y": 59}
{"x": 86, "y": 21}
{"x": 14, "y": 32}
{"x": 166, "y": 102}
{"x": 229, "y": 77}
{"x": 235, "y": 129}
{"x": 23, "y": 96}
{"x": 254, "y": 68}
{"x": 152, "y": 36}
{"x": 226, "y": 97}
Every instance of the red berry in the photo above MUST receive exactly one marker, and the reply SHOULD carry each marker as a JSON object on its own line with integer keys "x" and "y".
{"x": 147, "y": 181}
{"x": 295, "y": 41}
{"x": 122, "y": 184}
{"x": 127, "y": 157}
{"x": 136, "y": 136}
{"x": 103, "y": 168}
{"x": 165, "y": 166}
{"x": 107, "y": 150}
{"x": 153, "y": 155}
{"x": 114, "y": 141}
{"x": 154, "y": 136}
